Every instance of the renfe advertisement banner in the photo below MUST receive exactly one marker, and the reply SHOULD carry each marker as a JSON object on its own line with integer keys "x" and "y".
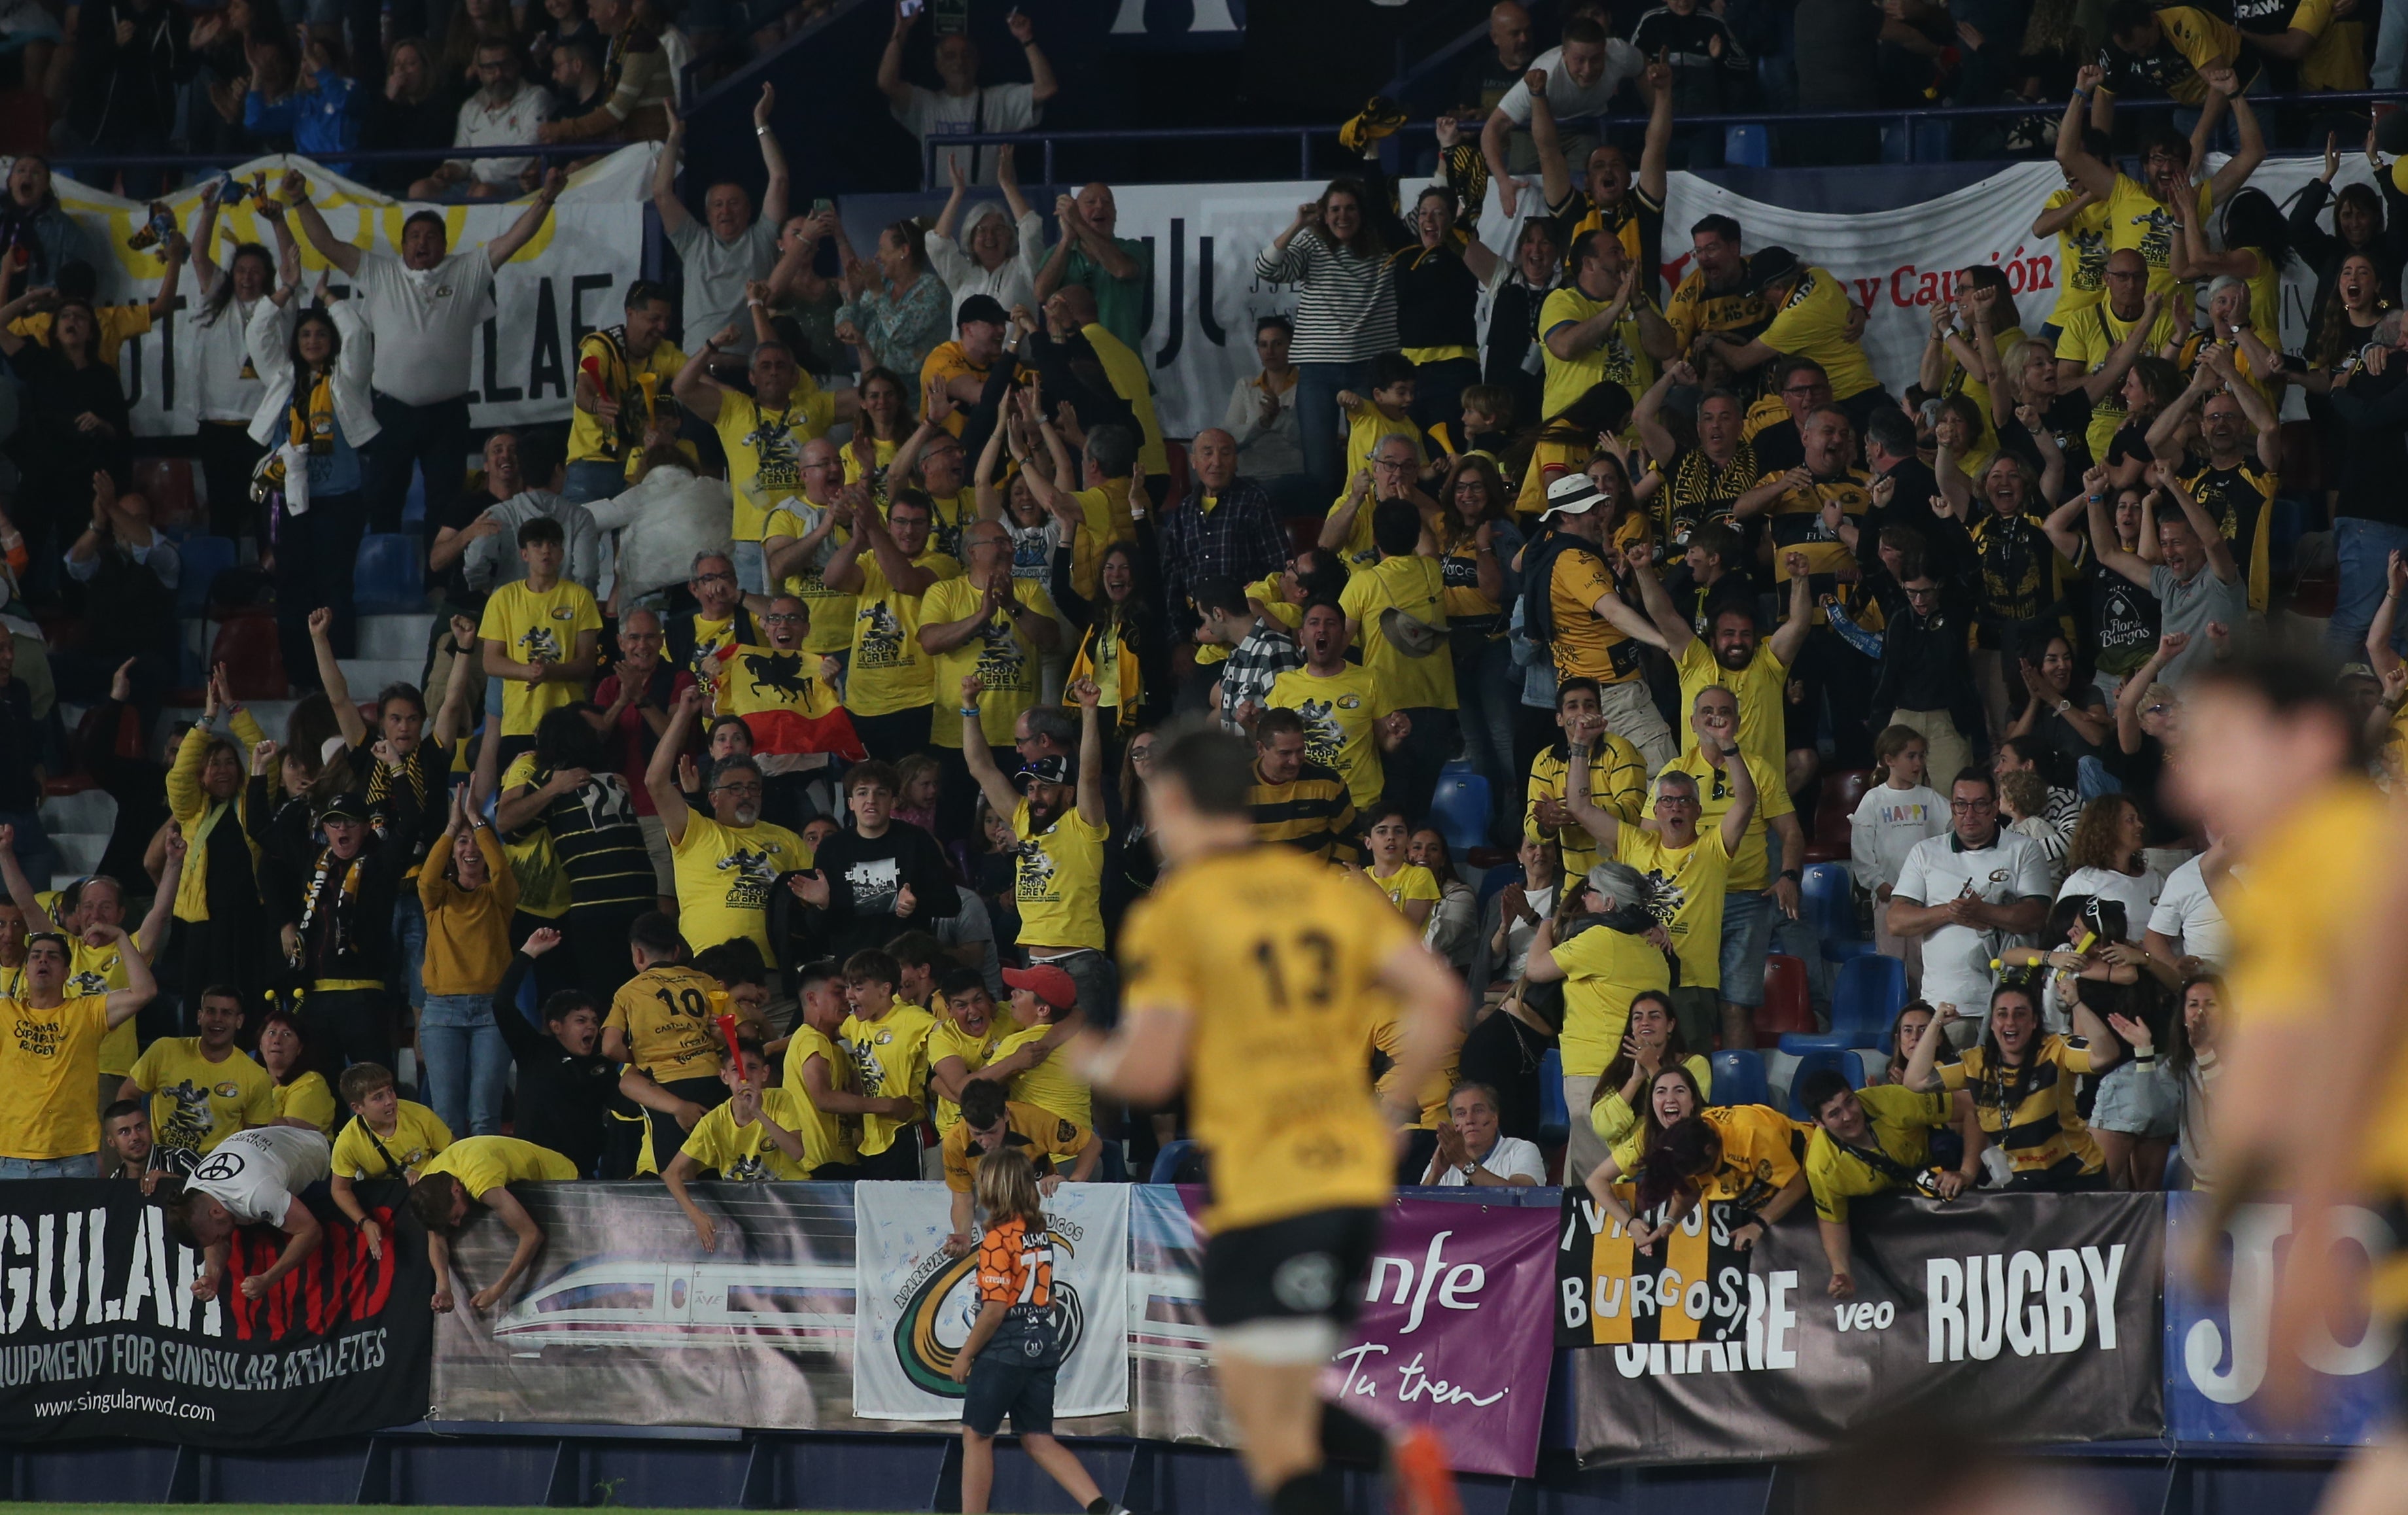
{"x": 916, "y": 1303}
{"x": 1452, "y": 1330}
{"x": 2035, "y": 1315}
{"x": 101, "y": 1335}
{"x": 570, "y": 278}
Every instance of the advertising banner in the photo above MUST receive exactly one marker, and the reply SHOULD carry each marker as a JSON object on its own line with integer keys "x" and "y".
{"x": 917, "y": 1303}
{"x": 570, "y": 279}
{"x": 2034, "y": 1312}
{"x": 1452, "y": 1334}
{"x": 2216, "y": 1347}
{"x": 101, "y": 1335}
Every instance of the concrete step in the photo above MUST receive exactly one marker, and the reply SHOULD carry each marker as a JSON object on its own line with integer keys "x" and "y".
{"x": 396, "y": 637}
{"x": 91, "y": 810}
{"x": 366, "y": 675}
{"x": 77, "y": 853}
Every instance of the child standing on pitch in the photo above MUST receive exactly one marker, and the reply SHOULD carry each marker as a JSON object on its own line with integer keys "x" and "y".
{"x": 1014, "y": 1348}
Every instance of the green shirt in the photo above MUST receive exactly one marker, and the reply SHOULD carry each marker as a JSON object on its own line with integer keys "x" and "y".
{"x": 1120, "y": 303}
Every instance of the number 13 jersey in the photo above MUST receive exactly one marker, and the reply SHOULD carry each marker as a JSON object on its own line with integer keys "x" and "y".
{"x": 1274, "y": 958}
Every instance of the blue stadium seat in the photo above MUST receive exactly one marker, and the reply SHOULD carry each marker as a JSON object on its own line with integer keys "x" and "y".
{"x": 1867, "y": 997}
{"x": 390, "y": 577}
{"x": 1493, "y": 882}
{"x": 1799, "y": 1043}
{"x": 1459, "y": 810}
{"x": 1828, "y": 900}
{"x": 1554, "y": 1117}
{"x": 1813, "y": 1062}
{"x": 1174, "y": 1157}
{"x": 203, "y": 559}
{"x": 1738, "y": 1080}
{"x": 1746, "y": 146}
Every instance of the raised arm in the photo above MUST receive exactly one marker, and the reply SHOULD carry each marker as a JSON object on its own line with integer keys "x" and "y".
{"x": 1000, "y": 797}
{"x": 890, "y": 63}
{"x": 2220, "y": 560}
{"x": 660, "y": 775}
{"x": 1598, "y": 822}
{"x": 774, "y": 195}
{"x": 343, "y": 255}
{"x": 2097, "y": 178}
{"x": 502, "y": 248}
{"x": 2227, "y": 181}
{"x": 694, "y": 386}
{"x": 2379, "y": 655}
{"x": 673, "y": 213}
{"x": 1091, "y": 753}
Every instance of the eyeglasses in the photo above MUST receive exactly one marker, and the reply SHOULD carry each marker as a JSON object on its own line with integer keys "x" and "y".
{"x": 714, "y": 578}
{"x": 1968, "y": 806}
{"x": 2159, "y": 708}
{"x": 778, "y": 618}
{"x": 1926, "y": 592}
{"x": 754, "y": 788}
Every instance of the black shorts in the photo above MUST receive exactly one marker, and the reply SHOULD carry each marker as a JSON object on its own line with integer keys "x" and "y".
{"x": 1304, "y": 1267}
{"x": 898, "y": 1162}
{"x": 998, "y": 1385}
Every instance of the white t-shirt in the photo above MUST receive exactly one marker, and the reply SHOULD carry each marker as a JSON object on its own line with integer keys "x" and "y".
{"x": 224, "y": 379}
{"x": 256, "y": 1174}
{"x": 1566, "y": 99}
{"x": 715, "y": 272}
{"x": 1957, "y": 959}
{"x": 2188, "y": 914}
{"x": 994, "y": 107}
{"x": 1519, "y": 933}
{"x": 512, "y": 123}
{"x": 1511, "y": 1158}
{"x": 2138, "y": 896}
{"x": 424, "y": 321}
{"x": 1886, "y": 827}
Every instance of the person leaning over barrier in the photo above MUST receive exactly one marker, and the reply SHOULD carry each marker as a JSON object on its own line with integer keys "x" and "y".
{"x": 477, "y": 1170}
{"x": 1871, "y": 1141}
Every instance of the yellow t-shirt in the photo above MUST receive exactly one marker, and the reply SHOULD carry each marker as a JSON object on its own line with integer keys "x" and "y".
{"x": 1058, "y": 882}
{"x": 1051, "y": 1086}
{"x": 1411, "y": 881}
{"x": 1366, "y": 428}
{"x": 1813, "y": 323}
{"x": 831, "y": 613}
{"x": 1617, "y": 782}
{"x": 2088, "y": 339}
{"x": 1693, "y": 308}
{"x": 418, "y": 1135}
{"x": 97, "y": 970}
{"x": 1586, "y": 644}
{"x": 665, "y": 1013}
{"x": 307, "y": 1098}
{"x": 1749, "y": 870}
{"x": 2081, "y": 256}
{"x": 532, "y": 624}
{"x": 623, "y": 380}
{"x": 1620, "y": 358}
{"x": 485, "y": 1164}
{"x": 1275, "y": 961}
{"x": 1000, "y": 654}
{"x": 881, "y": 452}
{"x": 946, "y": 360}
{"x": 1411, "y": 586}
{"x": 745, "y": 1153}
{"x": 1387, "y": 1041}
{"x": 2136, "y": 222}
{"x": 49, "y": 1066}
{"x": 534, "y": 862}
{"x": 762, "y": 449}
{"x": 1041, "y": 1135}
{"x": 951, "y": 1040}
{"x": 827, "y": 1137}
{"x": 117, "y": 324}
{"x": 1103, "y": 518}
{"x": 1691, "y": 882}
{"x": 890, "y": 1060}
{"x": 1763, "y": 720}
{"x": 1129, "y": 380}
{"x": 1900, "y": 1122}
{"x": 724, "y": 877}
{"x": 195, "y": 1103}
{"x": 1603, "y": 970}
{"x": 1342, "y": 714}
{"x": 888, "y": 672}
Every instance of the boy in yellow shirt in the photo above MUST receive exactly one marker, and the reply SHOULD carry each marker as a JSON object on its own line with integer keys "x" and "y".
{"x": 387, "y": 1136}
{"x": 661, "y": 1020}
{"x": 754, "y": 1136}
{"x": 1046, "y": 1010}
{"x": 1388, "y": 412}
{"x": 539, "y": 633}
{"x": 964, "y": 1043}
{"x": 479, "y": 1170}
{"x": 888, "y": 1043}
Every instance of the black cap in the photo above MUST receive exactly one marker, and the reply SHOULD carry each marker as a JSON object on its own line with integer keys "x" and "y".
{"x": 345, "y": 806}
{"x": 1769, "y": 266}
{"x": 985, "y": 307}
{"x": 1052, "y": 768}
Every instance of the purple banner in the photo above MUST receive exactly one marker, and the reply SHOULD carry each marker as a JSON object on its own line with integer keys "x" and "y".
{"x": 1455, "y": 1330}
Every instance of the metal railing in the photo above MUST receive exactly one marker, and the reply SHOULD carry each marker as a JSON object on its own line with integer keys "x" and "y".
{"x": 66, "y": 162}
{"x": 1304, "y": 136}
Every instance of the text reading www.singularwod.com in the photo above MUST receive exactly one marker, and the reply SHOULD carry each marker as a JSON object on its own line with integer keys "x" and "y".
{"x": 116, "y": 1400}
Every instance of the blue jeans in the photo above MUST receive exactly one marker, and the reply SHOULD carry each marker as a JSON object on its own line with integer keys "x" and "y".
{"x": 1487, "y": 693}
{"x": 593, "y": 481}
{"x": 2363, "y": 550}
{"x": 86, "y": 1166}
{"x": 1321, "y": 423}
{"x": 468, "y": 1062}
{"x": 752, "y": 568}
{"x": 409, "y": 941}
{"x": 1747, "y": 936}
{"x": 2092, "y": 780}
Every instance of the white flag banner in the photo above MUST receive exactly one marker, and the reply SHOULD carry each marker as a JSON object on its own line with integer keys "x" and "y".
{"x": 913, "y": 1306}
{"x": 570, "y": 278}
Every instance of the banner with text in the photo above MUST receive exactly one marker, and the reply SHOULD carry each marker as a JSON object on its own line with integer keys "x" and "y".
{"x": 917, "y": 1303}
{"x": 2217, "y": 1353}
{"x": 2035, "y": 1312}
{"x": 101, "y": 1335}
{"x": 1452, "y": 1334}
{"x": 570, "y": 279}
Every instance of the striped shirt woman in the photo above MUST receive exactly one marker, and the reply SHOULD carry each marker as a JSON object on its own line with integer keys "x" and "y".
{"x": 1345, "y": 313}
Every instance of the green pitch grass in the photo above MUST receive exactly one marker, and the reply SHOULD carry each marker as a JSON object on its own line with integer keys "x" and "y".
{"x": 39, "y": 1508}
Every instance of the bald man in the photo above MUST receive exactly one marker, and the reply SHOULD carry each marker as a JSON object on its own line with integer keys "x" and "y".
{"x": 2100, "y": 342}
{"x": 1117, "y": 270}
{"x": 1228, "y": 527}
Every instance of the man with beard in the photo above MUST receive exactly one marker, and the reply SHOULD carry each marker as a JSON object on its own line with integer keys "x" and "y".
{"x": 51, "y": 1065}
{"x": 992, "y": 625}
{"x": 1059, "y": 824}
{"x": 336, "y": 928}
{"x": 1347, "y": 721}
{"x": 887, "y": 565}
{"x": 727, "y": 861}
{"x": 1715, "y": 296}
{"x": 760, "y": 432}
{"x": 878, "y": 879}
{"x": 1740, "y": 658}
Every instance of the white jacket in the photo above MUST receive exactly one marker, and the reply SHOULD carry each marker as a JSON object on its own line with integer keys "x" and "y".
{"x": 662, "y": 524}
{"x": 271, "y": 357}
{"x": 1014, "y": 283}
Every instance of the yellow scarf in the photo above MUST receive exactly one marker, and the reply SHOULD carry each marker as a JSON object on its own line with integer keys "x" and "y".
{"x": 314, "y": 428}
{"x": 1123, "y": 682}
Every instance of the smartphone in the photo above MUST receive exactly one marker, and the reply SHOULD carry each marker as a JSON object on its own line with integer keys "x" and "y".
{"x": 912, "y": 7}
{"x": 821, "y": 205}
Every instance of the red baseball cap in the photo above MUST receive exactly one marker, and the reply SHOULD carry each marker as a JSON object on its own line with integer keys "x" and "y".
{"x": 1047, "y": 982}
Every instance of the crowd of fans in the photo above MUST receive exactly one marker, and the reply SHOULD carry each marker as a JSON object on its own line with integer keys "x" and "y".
{"x": 777, "y": 781}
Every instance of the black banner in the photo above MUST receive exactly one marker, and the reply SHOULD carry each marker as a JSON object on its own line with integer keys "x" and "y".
{"x": 2035, "y": 1315}
{"x": 100, "y": 1334}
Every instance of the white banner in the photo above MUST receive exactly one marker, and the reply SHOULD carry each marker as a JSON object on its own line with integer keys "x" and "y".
{"x": 913, "y": 1306}
{"x": 568, "y": 280}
